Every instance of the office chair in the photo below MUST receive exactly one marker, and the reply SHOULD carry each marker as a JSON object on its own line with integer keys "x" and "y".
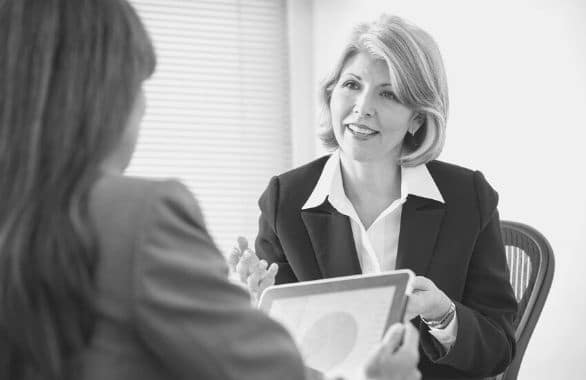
{"x": 531, "y": 265}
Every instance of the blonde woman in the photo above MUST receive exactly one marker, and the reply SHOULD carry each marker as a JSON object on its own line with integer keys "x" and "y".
{"x": 381, "y": 201}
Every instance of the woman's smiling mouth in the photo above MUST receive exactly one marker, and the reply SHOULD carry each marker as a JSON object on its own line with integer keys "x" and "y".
{"x": 360, "y": 130}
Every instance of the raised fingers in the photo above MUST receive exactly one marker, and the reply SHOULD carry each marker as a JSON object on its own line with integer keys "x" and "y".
{"x": 242, "y": 243}
{"x": 246, "y": 265}
{"x": 254, "y": 279}
{"x": 269, "y": 277}
{"x": 233, "y": 258}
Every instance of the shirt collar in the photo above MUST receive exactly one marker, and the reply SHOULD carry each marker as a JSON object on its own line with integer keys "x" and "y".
{"x": 414, "y": 180}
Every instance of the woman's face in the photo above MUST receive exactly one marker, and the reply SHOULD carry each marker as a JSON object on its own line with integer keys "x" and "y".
{"x": 369, "y": 123}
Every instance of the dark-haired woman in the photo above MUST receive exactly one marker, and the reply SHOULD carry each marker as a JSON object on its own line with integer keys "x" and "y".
{"x": 104, "y": 276}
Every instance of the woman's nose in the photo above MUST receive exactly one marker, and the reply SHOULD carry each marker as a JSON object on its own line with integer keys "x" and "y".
{"x": 364, "y": 106}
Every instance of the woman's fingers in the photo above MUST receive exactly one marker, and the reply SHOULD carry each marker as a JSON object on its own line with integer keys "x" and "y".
{"x": 246, "y": 265}
{"x": 397, "y": 355}
{"x": 411, "y": 339}
{"x": 261, "y": 278}
{"x": 268, "y": 277}
{"x": 423, "y": 283}
{"x": 273, "y": 269}
{"x": 415, "y": 305}
{"x": 233, "y": 258}
{"x": 253, "y": 281}
{"x": 242, "y": 243}
{"x": 427, "y": 299}
{"x": 255, "y": 273}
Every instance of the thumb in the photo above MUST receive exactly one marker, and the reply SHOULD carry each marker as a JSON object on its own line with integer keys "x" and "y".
{"x": 390, "y": 343}
{"x": 394, "y": 337}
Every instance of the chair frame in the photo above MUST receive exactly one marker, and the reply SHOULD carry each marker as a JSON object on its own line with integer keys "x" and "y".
{"x": 541, "y": 286}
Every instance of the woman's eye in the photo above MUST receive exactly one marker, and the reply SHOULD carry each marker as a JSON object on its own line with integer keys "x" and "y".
{"x": 389, "y": 95}
{"x": 351, "y": 84}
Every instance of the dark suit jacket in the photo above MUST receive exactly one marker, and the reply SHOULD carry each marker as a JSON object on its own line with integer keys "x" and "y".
{"x": 166, "y": 307}
{"x": 458, "y": 245}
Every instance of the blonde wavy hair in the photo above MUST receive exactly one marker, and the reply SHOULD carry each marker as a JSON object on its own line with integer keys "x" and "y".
{"x": 417, "y": 76}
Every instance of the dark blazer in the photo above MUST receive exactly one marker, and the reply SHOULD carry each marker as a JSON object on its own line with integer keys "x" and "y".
{"x": 166, "y": 307}
{"x": 458, "y": 245}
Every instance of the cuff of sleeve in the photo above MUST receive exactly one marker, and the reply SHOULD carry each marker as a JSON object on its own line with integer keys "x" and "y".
{"x": 433, "y": 349}
{"x": 446, "y": 336}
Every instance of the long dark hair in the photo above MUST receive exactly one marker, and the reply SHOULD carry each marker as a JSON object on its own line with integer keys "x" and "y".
{"x": 70, "y": 71}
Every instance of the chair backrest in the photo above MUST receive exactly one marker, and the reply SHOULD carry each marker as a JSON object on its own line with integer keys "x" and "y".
{"x": 531, "y": 265}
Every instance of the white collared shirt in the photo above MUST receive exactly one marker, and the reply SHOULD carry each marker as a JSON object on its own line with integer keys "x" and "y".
{"x": 377, "y": 246}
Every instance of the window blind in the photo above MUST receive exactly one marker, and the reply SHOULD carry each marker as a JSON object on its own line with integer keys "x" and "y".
{"x": 218, "y": 108}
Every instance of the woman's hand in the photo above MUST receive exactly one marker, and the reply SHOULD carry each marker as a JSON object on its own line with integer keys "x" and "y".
{"x": 427, "y": 300}
{"x": 397, "y": 356}
{"x": 255, "y": 273}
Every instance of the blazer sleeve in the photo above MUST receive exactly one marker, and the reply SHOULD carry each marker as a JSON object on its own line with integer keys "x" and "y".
{"x": 187, "y": 312}
{"x": 485, "y": 342}
{"x": 267, "y": 242}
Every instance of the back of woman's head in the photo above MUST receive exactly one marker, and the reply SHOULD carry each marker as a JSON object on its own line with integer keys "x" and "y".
{"x": 70, "y": 71}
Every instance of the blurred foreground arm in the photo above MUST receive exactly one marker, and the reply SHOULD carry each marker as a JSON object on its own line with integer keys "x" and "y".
{"x": 191, "y": 317}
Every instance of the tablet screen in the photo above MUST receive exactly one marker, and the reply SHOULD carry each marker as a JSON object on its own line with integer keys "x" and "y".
{"x": 337, "y": 322}
{"x": 336, "y": 331}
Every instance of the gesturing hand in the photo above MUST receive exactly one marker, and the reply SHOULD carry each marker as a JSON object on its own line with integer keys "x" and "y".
{"x": 255, "y": 273}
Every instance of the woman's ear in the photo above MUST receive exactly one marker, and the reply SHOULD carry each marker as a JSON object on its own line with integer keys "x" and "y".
{"x": 416, "y": 122}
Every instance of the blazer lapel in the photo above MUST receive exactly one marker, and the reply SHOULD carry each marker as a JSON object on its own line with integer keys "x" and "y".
{"x": 332, "y": 240}
{"x": 420, "y": 223}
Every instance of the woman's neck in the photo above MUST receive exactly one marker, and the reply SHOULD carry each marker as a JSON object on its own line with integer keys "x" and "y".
{"x": 370, "y": 186}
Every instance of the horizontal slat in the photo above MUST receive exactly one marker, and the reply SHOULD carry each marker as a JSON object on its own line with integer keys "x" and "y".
{"x": 218, "y": 98}
{"x": 213, "y": 52}
{"x": 243, "y": 85}
{"x": 182, "y": 5}
{"x": 253, "y": 30}
{"x": 250, "y": 89}
{"x": 219, "y": 11}
{"x": 226, "y": 73}
{"x": 157, "y": 122}
{"x": 156, "y": 169}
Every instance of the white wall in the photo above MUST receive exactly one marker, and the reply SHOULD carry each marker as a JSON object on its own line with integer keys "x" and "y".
{"x": 517, "y": 78}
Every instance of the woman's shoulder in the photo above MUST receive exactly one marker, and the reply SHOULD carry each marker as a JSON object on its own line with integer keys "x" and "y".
{"x": 458, "y": 185}
{"x": 118, "y": 194}
{"x": 129, "y": 188}
{"x": 448, "y": 170}
{"x": 452, "y": 175}
{"x": 292, "y": 188}
{"x": 304, "y": 172}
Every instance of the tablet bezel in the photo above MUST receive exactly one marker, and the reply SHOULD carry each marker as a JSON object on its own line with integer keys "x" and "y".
{"x": 401, "y": 280}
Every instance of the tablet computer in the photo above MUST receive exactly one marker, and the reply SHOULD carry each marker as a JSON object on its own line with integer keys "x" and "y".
{"x": 337, "y": 322}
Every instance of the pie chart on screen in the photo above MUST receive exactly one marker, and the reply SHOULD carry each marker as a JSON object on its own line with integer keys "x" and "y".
{"x": 329, "y": 340}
